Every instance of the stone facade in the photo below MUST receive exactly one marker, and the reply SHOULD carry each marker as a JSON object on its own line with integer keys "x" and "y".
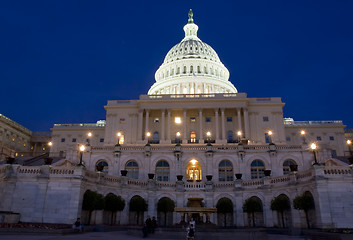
{"x": 208, "y": 142}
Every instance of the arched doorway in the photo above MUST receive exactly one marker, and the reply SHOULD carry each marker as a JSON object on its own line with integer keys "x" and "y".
{"x": 224, "y": 212}
{"x": 281, "y": 204}
{"x": 137, "y": 207}
{"x": 165, "y": 209}
{"x": 193, "y": 171}
{"x": 254, "y": 208}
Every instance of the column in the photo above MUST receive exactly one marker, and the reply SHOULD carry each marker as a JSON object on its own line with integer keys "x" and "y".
{"x": 184, "y": 127}
{"x": 200, "y": 125}
{"x": 217, "y": 128}
{"x": 146, "y": 124}
{"x": 246, "y": 124}
{"x": 239, "y": 120}
{"x": 139, "y": 127}
{"x": 168, "y": 126}
{"x": 163, "y": 125}
{"x": 223, "y": 125}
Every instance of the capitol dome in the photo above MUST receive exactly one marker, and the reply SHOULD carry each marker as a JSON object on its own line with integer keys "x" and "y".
{"x": 191, "y": 67}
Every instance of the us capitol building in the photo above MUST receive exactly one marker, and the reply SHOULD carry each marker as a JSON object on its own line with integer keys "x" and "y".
{"x": 194, "y": 140}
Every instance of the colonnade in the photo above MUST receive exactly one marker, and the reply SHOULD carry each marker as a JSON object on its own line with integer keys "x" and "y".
{"x": 219, "y": 125}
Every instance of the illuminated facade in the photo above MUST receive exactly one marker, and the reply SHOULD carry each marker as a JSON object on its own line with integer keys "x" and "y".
{"x": 194, "y": 136}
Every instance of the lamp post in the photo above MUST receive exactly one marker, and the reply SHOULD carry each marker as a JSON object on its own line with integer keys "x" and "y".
{"x": 350, "y": 158}
{"x": 50, "y": 144}
{"x": 208, "y": 134}
{"x": 178, "y": 134}
{"x": 82, "y": 149}
{"x": 313, "y": 147}
{"x": 270, "y": 136}
{"x": 302, "y": 133}
{"x": 118, "y": 135}
{"x": 239, "y": 136}
{"x": 89, "y": 135}
{"x": 148, "y": 135}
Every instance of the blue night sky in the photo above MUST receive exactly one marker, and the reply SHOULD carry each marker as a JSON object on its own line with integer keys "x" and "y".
{"x": 60, "y": 61}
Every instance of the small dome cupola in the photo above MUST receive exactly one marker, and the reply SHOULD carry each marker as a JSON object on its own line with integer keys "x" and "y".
{"x": 191, "y": 67}
{"x": 191, "y": 28}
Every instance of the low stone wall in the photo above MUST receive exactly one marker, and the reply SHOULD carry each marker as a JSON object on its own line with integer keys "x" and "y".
{"x": 9, "y": 217}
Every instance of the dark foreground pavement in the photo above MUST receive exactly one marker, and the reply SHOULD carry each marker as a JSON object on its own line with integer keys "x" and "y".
{"x": 128, "y": 235}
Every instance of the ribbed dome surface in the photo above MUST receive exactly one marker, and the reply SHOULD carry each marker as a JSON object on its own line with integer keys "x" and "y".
{"x": 191, "y": 48}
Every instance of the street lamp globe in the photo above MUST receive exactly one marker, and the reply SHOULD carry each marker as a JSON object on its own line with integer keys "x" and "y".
{"x": 82, "y": 148}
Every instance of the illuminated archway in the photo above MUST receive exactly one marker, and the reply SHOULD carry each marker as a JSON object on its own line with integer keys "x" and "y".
{"x": 193, "y": 171}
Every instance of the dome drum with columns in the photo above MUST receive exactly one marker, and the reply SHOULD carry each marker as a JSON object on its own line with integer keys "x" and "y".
{"x": 192, "y": 67}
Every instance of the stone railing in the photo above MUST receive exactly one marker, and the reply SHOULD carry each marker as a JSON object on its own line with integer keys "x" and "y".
{"x": 304, "y": 175}
{"x": 194, "y": 185}
{"x": 333, "y": 170}
{"x": 280, "y": 179}
{"x": 111, "y": 179}
{"x": 253, "y": 182}
{"x": 62, "y": 171}
{"x": 326, "y": 172}
{"x": 165, "y": 184}
{"x": 224, "y": 185}
{"x": 97, "y": 148}
{"x": 136, "y": 182}
{"x": 26, "y": 170}
{"x": 197, "y": 147}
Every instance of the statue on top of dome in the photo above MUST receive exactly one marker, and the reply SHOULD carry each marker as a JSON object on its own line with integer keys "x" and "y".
{"x": 190, "y": 16}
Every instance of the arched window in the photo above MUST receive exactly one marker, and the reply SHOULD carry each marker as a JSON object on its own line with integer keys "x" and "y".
{"x": 155, "y": 137}
{"x": 257, "y": 169}
{"x": 132, "y": 169}
{"x": 102, "y": 166}
{"x": 286, "y": 166}
{"x": 225, "y": 171}
{"x": 184, "y": 70}
{"x": 230, "y": 137}
{"x": 198, "y": 69}
{"x": 193, "y": 171}
{"x": 162, "y": 171}
{"x": 191, "y": 69}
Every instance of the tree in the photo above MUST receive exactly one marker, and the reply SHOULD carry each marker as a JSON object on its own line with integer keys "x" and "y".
{"x": 224, "y": 206}
{"x": 304, "y": 202}
{"x": 280, "y": 204}
{"x": 252, "y": 205}
{"x": 138, "y": 205}
{"x": 165, "y": 205}
{"x": 92, "y": 201}
{"x": 113, "y": 203}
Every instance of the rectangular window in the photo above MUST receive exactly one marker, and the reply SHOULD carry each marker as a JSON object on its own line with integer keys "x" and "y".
{"x": 208, "y": 119}
{"x": 101, "y": 140}
{"x": 332, "y": 138}
{"x": 288, "y": 139}
{"x": 192, "y": 119}
{"x": 122, "y": 120}
{"x": 333, "y": 153}
{"x": 63, "y": 140}
{"x": 74, "y": 140}
{"x": 318, "y": 138}
{"x": 265, "y": 119}
{"x": 229, "y": 119}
